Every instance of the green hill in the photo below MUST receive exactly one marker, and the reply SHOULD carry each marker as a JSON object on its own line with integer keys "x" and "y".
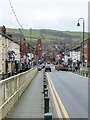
{"x": 50, "y": 37}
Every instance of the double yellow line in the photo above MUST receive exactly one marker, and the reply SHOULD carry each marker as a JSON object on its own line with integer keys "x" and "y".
{"x": 57, "y": 100}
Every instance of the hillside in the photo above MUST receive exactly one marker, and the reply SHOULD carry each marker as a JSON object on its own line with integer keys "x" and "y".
{"x": 50, "y": 37}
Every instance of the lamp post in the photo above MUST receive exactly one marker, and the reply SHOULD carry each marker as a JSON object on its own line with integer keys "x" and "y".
{"x": 78, "y": 24}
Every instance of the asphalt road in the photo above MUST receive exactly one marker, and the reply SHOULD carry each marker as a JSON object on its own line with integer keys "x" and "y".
{"x": 73, "y": 92}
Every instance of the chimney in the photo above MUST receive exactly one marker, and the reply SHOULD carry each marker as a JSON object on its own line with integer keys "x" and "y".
{"x": 3, "y": 30}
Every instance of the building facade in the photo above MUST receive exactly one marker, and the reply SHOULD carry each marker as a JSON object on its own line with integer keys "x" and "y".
{"x": 38, "y": 50}
{"x": 9, "y": 52}
{"x": 77, "y": 52}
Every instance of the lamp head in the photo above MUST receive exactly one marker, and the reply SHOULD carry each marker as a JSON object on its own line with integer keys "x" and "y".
{"x": 78, "y": 24}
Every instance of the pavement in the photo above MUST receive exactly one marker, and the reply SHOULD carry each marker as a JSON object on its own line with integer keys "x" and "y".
{"x": 31, "y": 103}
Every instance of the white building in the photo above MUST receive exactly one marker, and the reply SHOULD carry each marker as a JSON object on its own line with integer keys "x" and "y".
{"x": 75, "y": 55}
{"x": 7, "y": 45}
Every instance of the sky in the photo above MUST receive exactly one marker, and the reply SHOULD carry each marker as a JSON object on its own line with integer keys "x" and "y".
{"x": 60, "y": 15}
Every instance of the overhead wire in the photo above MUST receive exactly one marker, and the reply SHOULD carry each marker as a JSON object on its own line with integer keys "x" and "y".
{"x": 16, "y": 18}
{"x": 12, "y": 8}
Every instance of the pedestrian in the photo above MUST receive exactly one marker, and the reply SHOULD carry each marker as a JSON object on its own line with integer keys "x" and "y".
{"x": 76, "y": 67}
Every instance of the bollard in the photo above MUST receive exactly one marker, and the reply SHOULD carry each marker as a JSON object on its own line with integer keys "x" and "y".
{"x": 44, "y": 81}
{"x": 46, "y": 92}
{"x": 48, "y": 116}
{"x": 46, "y": 104}
{"x": 44, "y": 75}
{"x": 45, "y": 86}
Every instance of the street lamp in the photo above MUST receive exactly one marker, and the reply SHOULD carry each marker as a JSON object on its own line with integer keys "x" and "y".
{"x": 78, "y": 24}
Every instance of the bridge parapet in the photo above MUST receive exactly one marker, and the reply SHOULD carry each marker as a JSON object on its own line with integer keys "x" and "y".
{"x": 85, "y": 71}
{"x": 12, "y": 88}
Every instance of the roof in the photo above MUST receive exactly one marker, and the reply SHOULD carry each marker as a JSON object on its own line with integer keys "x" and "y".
{"x": 78, "y": 47}
{"x": 6, "y": 36}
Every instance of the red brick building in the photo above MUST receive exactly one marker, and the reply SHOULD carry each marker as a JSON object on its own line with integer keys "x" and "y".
{"x": 38, "y": 50}
{"x": 25, "y": 47}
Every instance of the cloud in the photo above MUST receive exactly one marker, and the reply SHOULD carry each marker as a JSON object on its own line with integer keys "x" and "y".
{"x": 53, "y": 14}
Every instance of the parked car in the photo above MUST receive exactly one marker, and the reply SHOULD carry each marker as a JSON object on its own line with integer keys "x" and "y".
{"x": 39, "y": 68}
{"x": 43, "y": 66}
{"x": 61, "y": 67}
{"x": 47, "y": 69}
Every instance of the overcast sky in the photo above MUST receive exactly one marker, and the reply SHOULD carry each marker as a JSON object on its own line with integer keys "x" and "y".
{"x": 45, "y": 14}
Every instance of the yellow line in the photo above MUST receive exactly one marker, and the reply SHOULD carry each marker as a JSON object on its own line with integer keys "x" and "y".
{"x": 60, "y": 102}
{"x": 55, "y": 102}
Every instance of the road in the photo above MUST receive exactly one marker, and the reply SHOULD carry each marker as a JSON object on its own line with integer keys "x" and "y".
{"x": 71, "y": 93}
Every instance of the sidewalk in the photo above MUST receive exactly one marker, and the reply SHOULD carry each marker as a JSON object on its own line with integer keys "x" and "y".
{"x": 31, "y": 104}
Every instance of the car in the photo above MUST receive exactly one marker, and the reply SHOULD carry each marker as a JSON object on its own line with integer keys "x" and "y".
{"x": 61, "y": 67}
{"x": 47, "y": 69}
{"x": 48, "y": 62}
{"x": 39, "y": 68}
{"x": 43, "y": 66}
{"x": 57, "y": 67}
